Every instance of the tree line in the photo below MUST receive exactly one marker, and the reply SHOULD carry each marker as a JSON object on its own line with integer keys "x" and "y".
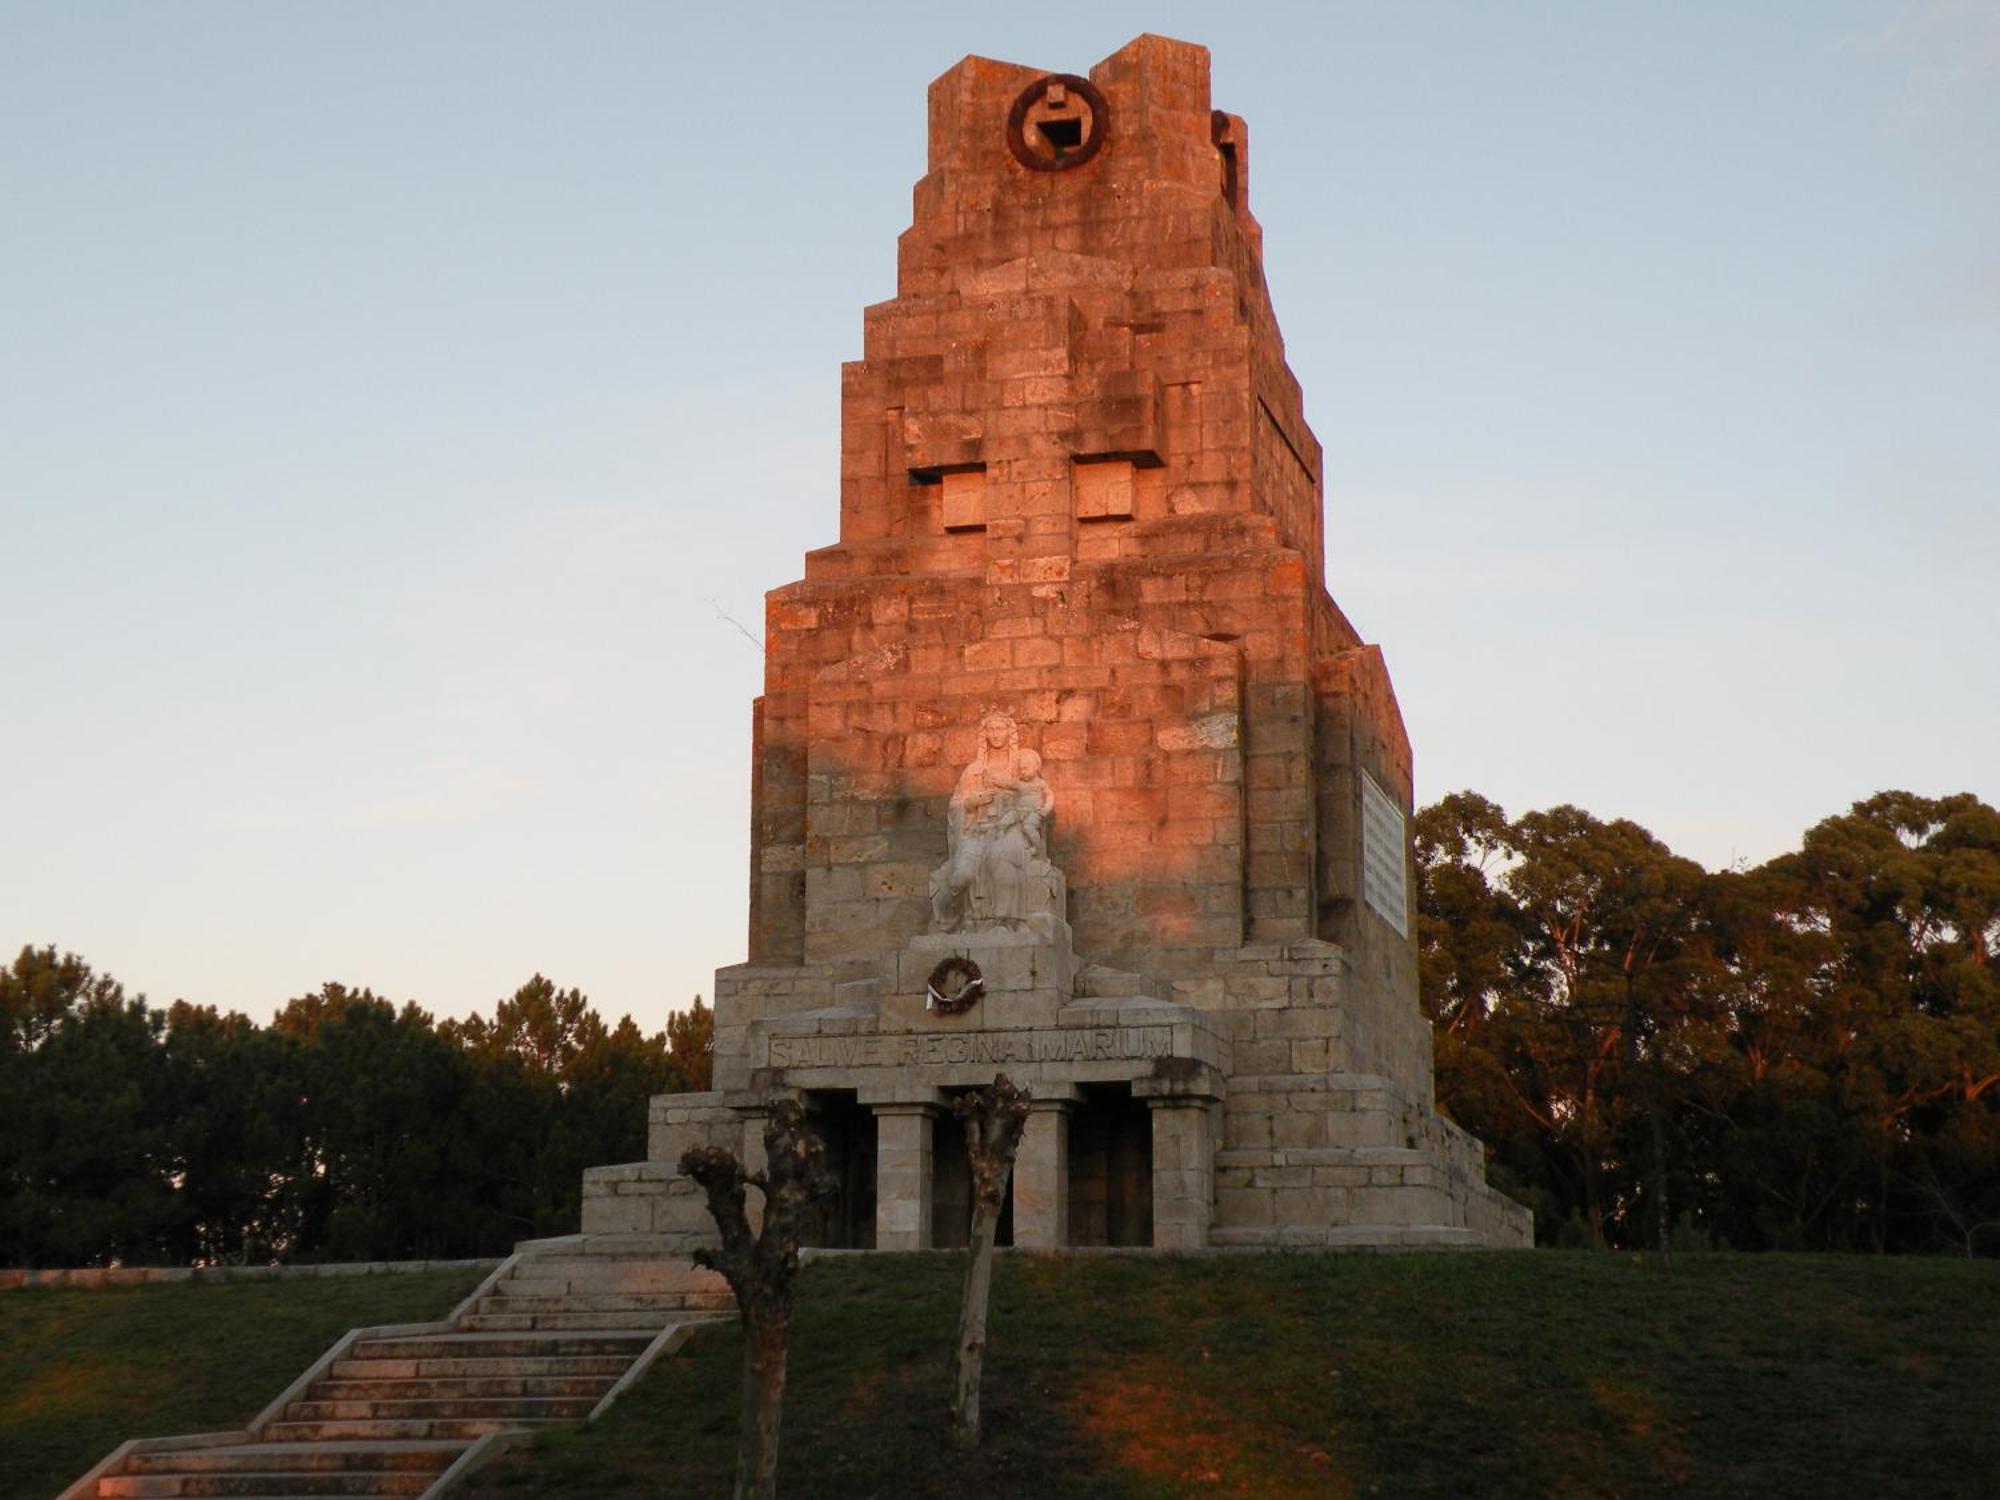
{"x": 346, "y": 1129}
{"x": 1801, "y": 1055}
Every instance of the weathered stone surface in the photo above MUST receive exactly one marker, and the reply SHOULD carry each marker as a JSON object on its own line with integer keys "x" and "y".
{"x": 1067, "y": 710}
{"x": 996, "y": 875}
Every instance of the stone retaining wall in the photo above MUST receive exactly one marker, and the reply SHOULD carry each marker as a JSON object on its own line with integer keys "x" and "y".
{"x": 116, "y": 1276}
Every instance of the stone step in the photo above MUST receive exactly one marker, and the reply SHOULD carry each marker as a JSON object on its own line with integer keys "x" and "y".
{"x": 272, "y": 1481}
{"x": 702, "y": 1299}
{"x": 662, "y": 1295}
{"x": 624, "y": 1278}
{"x": 511, "y": 1345}
{"x": 500, "y": 1408}
{"x": 376, "y": 1429}
{"x": 452, "y": 1388}
{"x": 606, "y": 1301}
{"x": 575, "y": 1366}
{"x": 422, "y": 1456}
{"x": 553, "y": 1322}
{"x": 655, "y": 1246}
{"x": 1350, "y": 1237}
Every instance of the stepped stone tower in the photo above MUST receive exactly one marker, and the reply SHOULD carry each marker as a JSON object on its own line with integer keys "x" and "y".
{"x": 1067, "y": 765}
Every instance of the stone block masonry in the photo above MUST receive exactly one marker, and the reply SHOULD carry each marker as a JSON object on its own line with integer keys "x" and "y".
{"x": 1066, "y": 709}
{"x": 124, "y": 1276}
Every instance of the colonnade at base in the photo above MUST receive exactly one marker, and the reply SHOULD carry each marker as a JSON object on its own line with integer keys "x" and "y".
{"x": 1171, "y": 1166}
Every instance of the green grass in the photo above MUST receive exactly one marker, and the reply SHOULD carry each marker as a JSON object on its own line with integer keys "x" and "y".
{"x": 81, "y": 1371}
{"x": 1532, "y": 1374}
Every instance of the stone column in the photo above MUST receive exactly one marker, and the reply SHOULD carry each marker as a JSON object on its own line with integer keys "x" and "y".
{"x": 903, "y": 1134}
{"x": 1041, "y": 1171}
{"x": 1183, "y": 1172}
{"x": 753, "y": 1159}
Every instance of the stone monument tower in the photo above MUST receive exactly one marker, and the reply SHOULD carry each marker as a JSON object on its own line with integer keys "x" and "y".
{"x": 1067, "y": 765}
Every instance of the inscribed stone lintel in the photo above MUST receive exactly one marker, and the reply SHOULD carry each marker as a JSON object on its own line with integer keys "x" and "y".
{"x": 1062, "y": 1044}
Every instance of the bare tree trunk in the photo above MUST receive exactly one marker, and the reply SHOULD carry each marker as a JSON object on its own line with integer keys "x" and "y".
{"x": 762, "y": 1270}
{"x": 1593, "y": 1209}
{"x": 1592, "y": 1154}
{"x": 1663, "y": 1228}
{"x": 993, "y": 1121}
{"x": 972, "y": 1328}
{"x": 1882, "y": 1195}
{"x": 766, "y": 1340}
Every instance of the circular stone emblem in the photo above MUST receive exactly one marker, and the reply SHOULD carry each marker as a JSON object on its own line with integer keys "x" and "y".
{"x": 1058, "y": 122}
{"x": 953, "y": 986}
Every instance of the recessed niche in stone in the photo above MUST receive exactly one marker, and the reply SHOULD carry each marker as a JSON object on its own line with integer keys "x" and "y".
{"x": 1103, "y": 490}
{"x": 964, "y": 500}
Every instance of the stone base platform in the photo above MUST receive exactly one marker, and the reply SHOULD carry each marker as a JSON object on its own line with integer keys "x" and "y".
{"x": 1272, "y": 1113}
{"x": 649, "y": 1198}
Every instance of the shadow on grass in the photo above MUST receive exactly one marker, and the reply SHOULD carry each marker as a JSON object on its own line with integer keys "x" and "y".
{"x": 1532, "y": 1374}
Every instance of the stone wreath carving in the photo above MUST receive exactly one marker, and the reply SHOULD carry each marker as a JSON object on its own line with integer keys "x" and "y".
{"x": 1058, "y": 121}
{"x": 953, "y": 986}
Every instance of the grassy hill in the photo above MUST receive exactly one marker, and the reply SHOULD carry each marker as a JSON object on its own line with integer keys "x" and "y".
{"x": 81, "y": 1371}
{"x": 1529, "y": 1374}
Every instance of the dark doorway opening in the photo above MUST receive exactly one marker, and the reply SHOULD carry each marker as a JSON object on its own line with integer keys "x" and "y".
{"x": 1110, "y": 1168}
{"x": 951, "y": 1190}
{"x": 848, "y": 1128}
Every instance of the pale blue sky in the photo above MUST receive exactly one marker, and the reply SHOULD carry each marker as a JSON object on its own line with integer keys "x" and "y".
{"x": 387, "y": 390}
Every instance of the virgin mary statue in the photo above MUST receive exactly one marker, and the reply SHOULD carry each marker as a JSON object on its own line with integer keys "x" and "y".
{"x": 998, "y": 871}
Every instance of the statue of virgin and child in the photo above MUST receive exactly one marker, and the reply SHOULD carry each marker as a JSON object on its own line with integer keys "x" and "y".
{"x": 997, "y": 873}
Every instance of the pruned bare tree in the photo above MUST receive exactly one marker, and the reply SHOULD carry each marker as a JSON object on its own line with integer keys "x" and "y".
{"x": 993, "y": 1119}
{"x": 762, "y": 1269}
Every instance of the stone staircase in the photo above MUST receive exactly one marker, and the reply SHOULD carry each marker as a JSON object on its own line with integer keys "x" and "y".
{"x": 606, "y": 1281}
{"x": 554, "y": 1335}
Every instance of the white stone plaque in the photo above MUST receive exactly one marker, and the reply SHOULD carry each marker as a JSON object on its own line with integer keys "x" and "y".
{"x": 1383, "y": 883}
